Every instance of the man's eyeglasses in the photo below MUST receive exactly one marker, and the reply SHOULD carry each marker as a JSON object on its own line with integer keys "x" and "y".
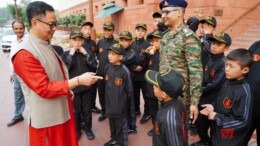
{"x": 52, "y": 25}
{"x": 168, "y": 11}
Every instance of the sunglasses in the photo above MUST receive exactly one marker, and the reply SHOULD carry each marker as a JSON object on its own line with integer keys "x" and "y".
{"x": 51, "y": 25}
{"x": 168, "y": 11}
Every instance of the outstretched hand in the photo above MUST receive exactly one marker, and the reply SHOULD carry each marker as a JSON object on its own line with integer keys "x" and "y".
{"x": 88, "y": 78}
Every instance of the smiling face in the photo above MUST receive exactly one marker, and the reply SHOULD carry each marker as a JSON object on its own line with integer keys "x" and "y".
{"x": 218, "y": 47}
{"x": 18, "y": 29}
{"x": 234, "y": 70}
{"x": 108, "y": 33}
{"x": 171, "y": 15}
{"x": 45, "y": 26}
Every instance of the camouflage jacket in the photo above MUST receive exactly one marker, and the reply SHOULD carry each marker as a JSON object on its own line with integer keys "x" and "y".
{"x": 181, "y": 50}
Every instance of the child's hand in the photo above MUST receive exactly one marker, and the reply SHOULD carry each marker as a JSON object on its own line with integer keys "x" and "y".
{"x": 72, "y": 51}
{"x": 208, "y": 29}
{"x": 138, "y": 68}
{"x": 82, "y": 50}
{"x": 212, "y": 115}
{"x": 208, "y": 108}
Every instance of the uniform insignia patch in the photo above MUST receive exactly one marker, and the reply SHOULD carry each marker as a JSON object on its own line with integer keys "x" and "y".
{"x": 150, "y": 62}
{"x": 212, "y": 73}
{"x": 93, "y": 49}
{"x": 118, "y": 81}
{"x": 156, "y": 129}
{"x": 227, "y": 103}
{"x": 100, "y": 50}
{"x": 227, "y": 133}
{"x": 256, "y": 57}
{"x": 116, "y": 46}
{"x": 142, "y": 50}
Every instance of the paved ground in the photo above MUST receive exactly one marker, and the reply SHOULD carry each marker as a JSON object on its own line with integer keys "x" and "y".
{"x": 17, "y": 135}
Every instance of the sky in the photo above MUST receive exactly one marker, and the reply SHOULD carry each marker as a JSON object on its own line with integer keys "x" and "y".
{"x": 54, "y": 3}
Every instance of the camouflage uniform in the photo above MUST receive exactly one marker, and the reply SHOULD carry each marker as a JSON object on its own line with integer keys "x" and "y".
{"x": 181, "y": 50}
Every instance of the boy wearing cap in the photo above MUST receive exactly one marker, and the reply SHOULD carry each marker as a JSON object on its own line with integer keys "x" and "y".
{"x": 213, "y": 79}
{"x": 157, "y": 18}
{"x": 139, "y": 45}
{"x": 170, "y": 127}
{"x": 152, "y": 54}
{"x": 89, "y": 44}
{"x": 79, "y": 60}
{"x": 125, "y": 39}
{"x": 102, "y": 56}
{"x": 208, "y": 25}
{"x": 231, "y": 113}
{"x": 119, "y": 91}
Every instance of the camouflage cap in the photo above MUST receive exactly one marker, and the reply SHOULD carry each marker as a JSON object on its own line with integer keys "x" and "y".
{"x": 119, "y": 49}
{"x": 169, "y": 81}
{"x": 222, "y": 37}
{"x": 210, "y": 20}
{"x": 141, "y": 24}
{"x": 157, "y": 34}
{"x": 75, "y": 34}
{"x": 109, "y": 25}
{"x": 125, "y": 34}
{"x": 173, "y": 3}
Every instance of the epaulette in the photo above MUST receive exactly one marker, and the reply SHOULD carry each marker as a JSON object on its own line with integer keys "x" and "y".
{"x": 166, "y": 31}
{"x": 187, "y": 32}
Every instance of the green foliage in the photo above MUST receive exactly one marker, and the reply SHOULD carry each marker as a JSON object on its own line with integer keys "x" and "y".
{"x": 99, "y": 35}
{"x": 20, "y": 10}
{"x": 72, "y": 22}
{"x": 2, "y": 20}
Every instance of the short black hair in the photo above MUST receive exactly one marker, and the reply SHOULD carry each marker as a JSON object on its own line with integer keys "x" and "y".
{"x": 242, "y": 56}
{"x": 37, "y": 9}
{"x": 87, "y": 24}
{"x": 17, "y": 21}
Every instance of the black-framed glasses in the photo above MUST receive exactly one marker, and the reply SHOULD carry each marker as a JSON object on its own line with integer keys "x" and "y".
{"x": 52, "y": 25}
{"x": 168, "y": 11}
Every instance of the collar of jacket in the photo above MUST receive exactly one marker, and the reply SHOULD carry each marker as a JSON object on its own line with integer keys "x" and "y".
{"x": 168, "y": 103}
{"x": 87, "y": 38}
{"x": 116, "y": 66}
{"x": 139, "y": 41}
{"x": 128, "y": 47}
{"x": 217, "y": 56}
{"x": 234, "y": 81}
{"x": 176, "y": 31}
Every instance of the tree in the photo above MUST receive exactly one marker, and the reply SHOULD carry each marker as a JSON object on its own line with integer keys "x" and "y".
{"x": 20, "y": 9}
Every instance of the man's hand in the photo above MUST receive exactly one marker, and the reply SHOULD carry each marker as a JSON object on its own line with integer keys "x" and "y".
{"x": 11, "y": 78}
{"x": 72, "y": 51}
{"x": 88, "y": 79}
{"x": 207, "y": 28}
{"x": 194, "y": 112}
{"x": 83, "y": 51}
{"x": 138, "y": 68}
